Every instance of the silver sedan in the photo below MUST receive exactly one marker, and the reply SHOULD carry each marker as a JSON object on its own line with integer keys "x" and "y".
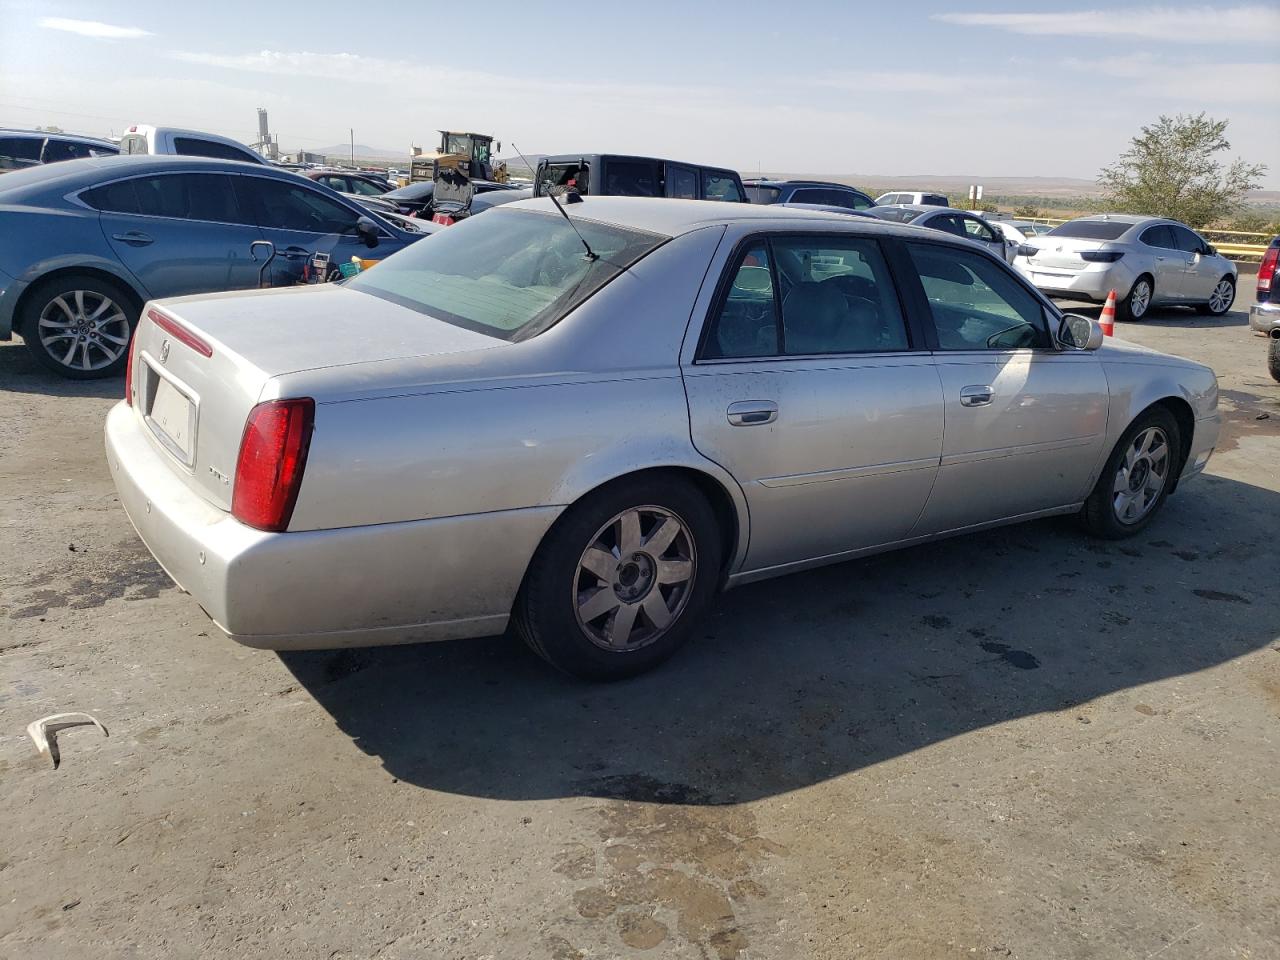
{"x": 1148, "y": 261}
{"x": 586, "y": 423}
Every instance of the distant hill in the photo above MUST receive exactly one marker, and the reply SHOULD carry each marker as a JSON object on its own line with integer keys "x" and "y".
{"x": 363, "y": 152}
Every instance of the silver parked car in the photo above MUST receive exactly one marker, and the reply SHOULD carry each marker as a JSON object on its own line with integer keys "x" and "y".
{"x": 960, "y": 223}
{"x": 1146, "y": 260}
{"x": 586, "y": 424}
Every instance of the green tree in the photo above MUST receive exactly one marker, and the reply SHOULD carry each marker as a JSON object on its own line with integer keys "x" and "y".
{"x": 1170, "y": 170}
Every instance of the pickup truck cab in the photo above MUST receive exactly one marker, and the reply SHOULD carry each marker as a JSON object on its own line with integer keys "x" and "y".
{"x": 598, "y": 174}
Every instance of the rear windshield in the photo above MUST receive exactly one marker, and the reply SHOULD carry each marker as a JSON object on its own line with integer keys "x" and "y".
{"x": 1091, "y": 229}
{"x": 896, "y": 214}
{"x": 510, "y": 275}
{"x": 414, "y": 191}
{"x": 757, "y": 194}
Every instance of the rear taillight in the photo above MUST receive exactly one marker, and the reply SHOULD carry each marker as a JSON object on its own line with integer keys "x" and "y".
{"x": 128, "y": 371}
{"x": 1267, "y": 270}
{"x": 273, "y": 454}
{"x": 180, "y": 333}
{"x": 443, "y": 219}
{"x": 1101, "y": 256}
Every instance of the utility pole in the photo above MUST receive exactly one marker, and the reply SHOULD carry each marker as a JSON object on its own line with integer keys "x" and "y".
{"x": 352, "y": 131}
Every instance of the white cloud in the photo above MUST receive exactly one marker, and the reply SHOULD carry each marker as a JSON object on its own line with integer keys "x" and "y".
{"x": 1190, "y": 83}
{"x": 1247, "y": 24}
{"x": 902, "y": 81}
{"x": 93, "y": 28}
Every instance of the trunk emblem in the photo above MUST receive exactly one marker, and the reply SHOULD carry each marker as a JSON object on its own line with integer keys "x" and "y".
{"x": 164, "y": 352}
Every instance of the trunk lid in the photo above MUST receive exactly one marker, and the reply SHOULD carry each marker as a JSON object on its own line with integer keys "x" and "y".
{"x": 202, "y": 363}
{"x": 1062, "y": 253}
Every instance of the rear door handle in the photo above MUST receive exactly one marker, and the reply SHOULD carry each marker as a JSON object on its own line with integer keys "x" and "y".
{"x": 134, "y": 238}
{"x": 295, "y": 253}
{"x": 976, "y": 396}
{"x": 750, "y": 413}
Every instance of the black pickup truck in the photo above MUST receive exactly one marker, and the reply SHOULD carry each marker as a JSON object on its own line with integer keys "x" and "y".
{"x": 595, "y": 174}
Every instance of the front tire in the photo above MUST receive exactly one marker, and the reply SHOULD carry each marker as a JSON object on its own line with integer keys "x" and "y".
{"x": 1220, "y": 301}
{"x": 619, "y": 583}
{"x": 79, "y": 326}
{"x": 1137, "y": 304}
{"x": 1137, "y": 477}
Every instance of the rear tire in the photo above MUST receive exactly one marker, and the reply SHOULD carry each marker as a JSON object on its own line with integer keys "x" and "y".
{"x": 1273, "y": 358}
{"x": 1137, "y": 477}
{"x": 607, "y": 596}
{"x": 1137, "y": 302}
{"x": 79, "y": 326}
{"x": 1223, "y": 296}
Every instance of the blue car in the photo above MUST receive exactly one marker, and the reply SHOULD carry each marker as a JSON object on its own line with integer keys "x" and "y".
{"x": 85, "y": 243}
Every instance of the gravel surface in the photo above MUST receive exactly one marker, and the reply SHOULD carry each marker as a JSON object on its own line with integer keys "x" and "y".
{"x": 1023, "y": 743}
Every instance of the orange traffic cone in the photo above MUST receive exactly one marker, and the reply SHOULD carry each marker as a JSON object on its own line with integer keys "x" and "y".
{"x": 1108, "y": 319}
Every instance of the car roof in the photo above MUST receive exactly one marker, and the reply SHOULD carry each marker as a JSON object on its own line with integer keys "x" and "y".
{"x": 929, "y": 208}
{"x": 77, "y": 137}
{"x": 767, "y": 182}
{"x": 573, "y": 157}
{"x": 74, "y": 174}
{"x": 1129, "y": 218}
{"x": 673, "y": 218}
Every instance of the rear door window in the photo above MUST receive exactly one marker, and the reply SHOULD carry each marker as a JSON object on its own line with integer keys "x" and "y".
{"x": 195, "y": 147}
{"x": 975, "y": 302}
{"x": 682, "y": 182}
{"x": 850, "y": 199}
{"x": 810, "y": 195}
{"x": 118, "y": 197}
{"x": 833, "y": 295}
{"x": 1159, "y": 236}
{"x": 720, "y": 185}
{"x": 631, "y": 178}
{"x": 179, "y": 196}
{"x": 56, "y": 150}
{"x": 21, "y": 148}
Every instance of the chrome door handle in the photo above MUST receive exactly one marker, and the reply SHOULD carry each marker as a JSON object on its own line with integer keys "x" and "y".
{"x": 975, "y": 396}
{"x": 133, "y": 237}
{"x": 295, "y": 253}
{"x": 749, "y": 413}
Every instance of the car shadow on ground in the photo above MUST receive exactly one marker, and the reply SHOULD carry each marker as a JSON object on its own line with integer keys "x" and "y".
{"x": 20, "y": 373}
{"x": 1167, "y": 317}
{"x": 814, "y": 675}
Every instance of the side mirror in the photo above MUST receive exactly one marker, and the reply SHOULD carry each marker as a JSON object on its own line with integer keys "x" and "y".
{"x": 367, "y": 231}
{"x": 1210, "y": 250}
{"x": 1080, "y": 333}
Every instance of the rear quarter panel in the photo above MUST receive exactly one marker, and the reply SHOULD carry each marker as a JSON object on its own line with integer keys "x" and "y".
{"x": 531, "y": 424}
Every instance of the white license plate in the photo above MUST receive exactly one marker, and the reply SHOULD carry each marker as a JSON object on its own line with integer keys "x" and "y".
{"x": 171, "y": 418}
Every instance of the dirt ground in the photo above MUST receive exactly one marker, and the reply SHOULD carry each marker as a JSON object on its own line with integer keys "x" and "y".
{"x": 1023, "y": 743}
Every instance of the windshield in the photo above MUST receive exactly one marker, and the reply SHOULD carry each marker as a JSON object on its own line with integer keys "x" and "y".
{"x": 759, "y": 194}
{"x": 511, "y": 274}
{"x": 896, "y": 214}
{"x": 1091, "y": 229}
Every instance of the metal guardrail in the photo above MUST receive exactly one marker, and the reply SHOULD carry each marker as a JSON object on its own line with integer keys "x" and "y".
{"x": 1245, "y": 252}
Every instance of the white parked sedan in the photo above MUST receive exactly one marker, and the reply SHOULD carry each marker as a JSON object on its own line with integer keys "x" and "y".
{"x": 587, "y": 423}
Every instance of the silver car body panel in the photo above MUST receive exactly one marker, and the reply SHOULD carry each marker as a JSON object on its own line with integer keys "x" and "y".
{"x": 441, "y": 457}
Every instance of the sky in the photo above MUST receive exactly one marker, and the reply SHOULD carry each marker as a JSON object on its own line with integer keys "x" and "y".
{"x": 971, "y": 87}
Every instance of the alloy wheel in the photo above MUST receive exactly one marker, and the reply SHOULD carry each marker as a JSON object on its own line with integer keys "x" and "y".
{"x": 634, "y": 579}
{"x": 1142, "y": 476}
{"x": 1140, "y": 299}
{"x": 83, "y": 330}
{"x": 1221, "y": 298}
